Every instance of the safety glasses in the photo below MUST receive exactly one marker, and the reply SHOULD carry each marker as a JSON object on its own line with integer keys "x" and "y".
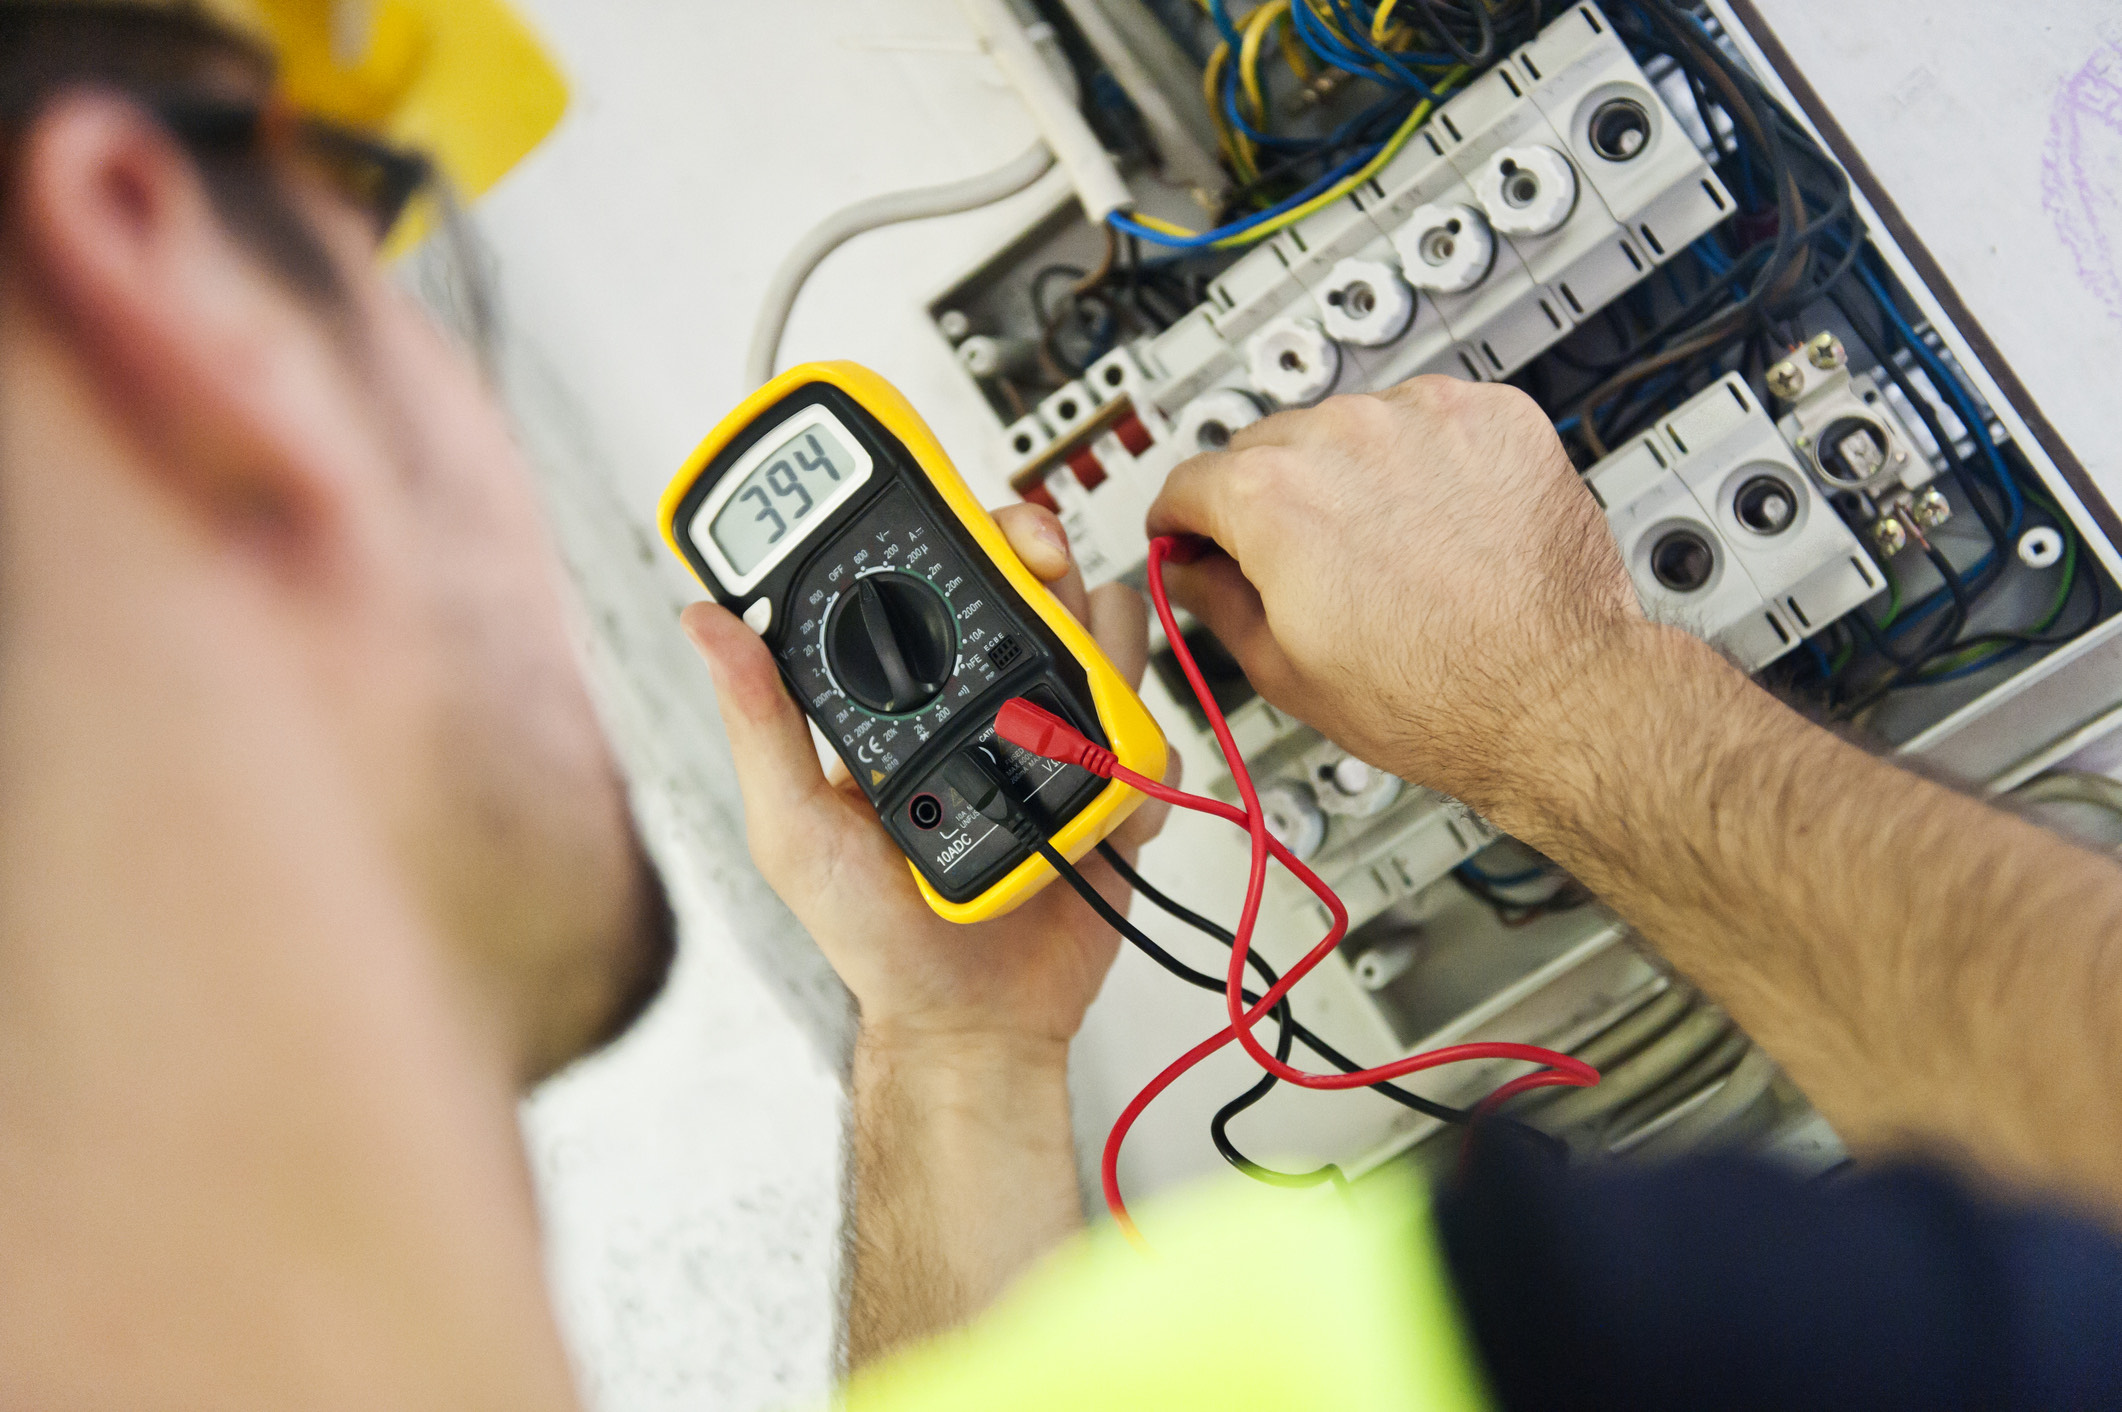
{"x": 447, "y": 271}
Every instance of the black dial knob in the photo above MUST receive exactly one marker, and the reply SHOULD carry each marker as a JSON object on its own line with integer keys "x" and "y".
{"x": 890, "y": 643}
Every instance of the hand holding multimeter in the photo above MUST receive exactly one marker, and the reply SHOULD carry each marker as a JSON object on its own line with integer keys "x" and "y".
{"x": 824, "y": 514}
{"x": 903, "y": 623}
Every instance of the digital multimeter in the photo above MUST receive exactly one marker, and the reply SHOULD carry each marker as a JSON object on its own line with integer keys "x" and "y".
{"x": 825, "y": 514}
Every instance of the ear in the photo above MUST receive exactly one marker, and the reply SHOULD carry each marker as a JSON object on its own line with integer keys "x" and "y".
{"x": 238, "y": 391}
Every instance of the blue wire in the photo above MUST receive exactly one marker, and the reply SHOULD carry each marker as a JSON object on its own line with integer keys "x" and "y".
{"x": 1938, "y": 597}
{"x": 1507, "y": 880}
{"x": 1220, "y": 15}
{"x": 1977, "y": 425}
{"x": 1374, "y": 50}
{"x": 1236, "y": 113}
{"x": 1746, "y": 176}
{"x": 1819, "y": 658}
{"x": 1332, "y": 51}
{"x": 1121, "y": 221}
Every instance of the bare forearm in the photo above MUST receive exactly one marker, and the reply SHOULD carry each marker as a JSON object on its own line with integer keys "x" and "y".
{"x": 1929, "y": 970}
{"x": 964, "y": 1174}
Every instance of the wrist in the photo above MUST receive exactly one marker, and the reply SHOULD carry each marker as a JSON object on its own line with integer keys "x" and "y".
{"x": 958, "y": 1088}
{"x": 1623, "y": 709}
{"x": 957, "y": 1044}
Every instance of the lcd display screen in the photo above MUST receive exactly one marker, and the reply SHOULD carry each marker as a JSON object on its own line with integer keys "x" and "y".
{"x": 778, "y": 503}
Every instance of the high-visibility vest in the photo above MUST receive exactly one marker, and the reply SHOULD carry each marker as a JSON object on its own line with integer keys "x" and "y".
{"x": 1264, "y": 1301}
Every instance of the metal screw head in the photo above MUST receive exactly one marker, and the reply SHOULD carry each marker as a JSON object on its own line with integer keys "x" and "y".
{"x": 1785, "y": 380}
{"x": 1888, "y": 534}
{"x": 1931, "y": 508}
{"x": 1825, "y": 351}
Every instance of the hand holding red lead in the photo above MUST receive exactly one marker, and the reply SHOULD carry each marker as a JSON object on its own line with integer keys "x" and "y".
{"x": 1046, "y": 735}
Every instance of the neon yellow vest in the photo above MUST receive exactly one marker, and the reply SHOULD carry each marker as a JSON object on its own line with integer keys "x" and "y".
{"x": 1250, "y": 1302}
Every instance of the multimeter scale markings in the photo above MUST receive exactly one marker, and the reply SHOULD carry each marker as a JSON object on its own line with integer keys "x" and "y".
{"x": 892, "y": 639}
{"x": 890, "y": 617}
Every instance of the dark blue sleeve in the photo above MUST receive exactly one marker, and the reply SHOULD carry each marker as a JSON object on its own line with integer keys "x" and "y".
{"x": 1728, "y": 1285}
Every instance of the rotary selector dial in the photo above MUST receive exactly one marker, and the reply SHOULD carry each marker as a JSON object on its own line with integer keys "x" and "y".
{"x": 891, "y": 643}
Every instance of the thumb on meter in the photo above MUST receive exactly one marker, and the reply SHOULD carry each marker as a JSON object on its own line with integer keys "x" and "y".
{"x": 788, "y": 806}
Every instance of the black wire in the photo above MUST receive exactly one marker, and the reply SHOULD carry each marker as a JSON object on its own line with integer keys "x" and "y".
{"x": 1977, "y": 493}
{"x": 1027, "y": 831}
{"x": 1474, "y": 58}
{"x": 1118, "y": 921}
{"x": 1784, "y": 273}
{"x": 1318, "y": 1046}
{"x": 1963, "y": 476}
{"x": 1908, "y": 667}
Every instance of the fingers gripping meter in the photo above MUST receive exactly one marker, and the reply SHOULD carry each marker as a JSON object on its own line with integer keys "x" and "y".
{"x": 824, "y": 513}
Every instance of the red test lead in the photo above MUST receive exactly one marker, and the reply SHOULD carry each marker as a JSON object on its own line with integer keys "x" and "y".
{"x": 1047, "y": 735}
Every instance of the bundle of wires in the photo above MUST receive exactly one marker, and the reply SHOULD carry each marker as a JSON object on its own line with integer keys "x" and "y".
{"x": 1734, "y": 303}
{"x": 1795, "y": 235}
{"x": 1046, "y": 735}
{"x": 1406, "y": 54}
{"x": 1921, "y": 642}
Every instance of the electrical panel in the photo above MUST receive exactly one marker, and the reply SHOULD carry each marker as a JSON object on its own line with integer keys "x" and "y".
{"x": 1786, "y": 500}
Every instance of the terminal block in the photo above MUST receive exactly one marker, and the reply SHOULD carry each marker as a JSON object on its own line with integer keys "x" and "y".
{"x": 1376, "y": 840}
{"x": 1526, "y": 204}
{"x": 1855, "y": 444}
{"x": 1727, "y": 533}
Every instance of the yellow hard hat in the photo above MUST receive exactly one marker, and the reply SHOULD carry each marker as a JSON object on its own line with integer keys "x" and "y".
{"x": 464, "y": 81}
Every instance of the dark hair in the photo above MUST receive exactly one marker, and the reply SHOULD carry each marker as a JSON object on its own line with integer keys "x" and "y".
{"x": 159, "y": 54}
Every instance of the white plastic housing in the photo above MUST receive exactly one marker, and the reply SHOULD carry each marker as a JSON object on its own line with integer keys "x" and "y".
{"x": 1527, "y": 190}
{"x": 1365, "y": 302}
{"x": 1293, "y": 362}
{"x": 1027, "y": 437}
{"x": 1069, "y": 408}
{"x": 1445, "y": 249}
{"x": 1207, "y": 422}
{"x": 1770, "y": 586}
{"x": 1291, "y": 813}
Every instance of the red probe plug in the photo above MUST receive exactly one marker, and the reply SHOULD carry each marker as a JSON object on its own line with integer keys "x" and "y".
{"x": 1049, "y": 737}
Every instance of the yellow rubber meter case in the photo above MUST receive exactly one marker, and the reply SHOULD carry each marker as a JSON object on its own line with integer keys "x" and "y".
{"x": 825, "y": 514}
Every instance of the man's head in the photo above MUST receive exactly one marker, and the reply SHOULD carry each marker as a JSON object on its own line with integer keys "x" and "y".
{"x": 206, "y": 375}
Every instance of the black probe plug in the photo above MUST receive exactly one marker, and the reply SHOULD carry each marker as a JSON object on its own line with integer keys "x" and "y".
{"x": 976, "y": 775}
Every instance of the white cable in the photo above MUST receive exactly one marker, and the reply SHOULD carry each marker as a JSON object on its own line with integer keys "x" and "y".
{"x": 1076, "y": 147}
{"x": 890, "y": 209}
{"x": 1185, "y": 160}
